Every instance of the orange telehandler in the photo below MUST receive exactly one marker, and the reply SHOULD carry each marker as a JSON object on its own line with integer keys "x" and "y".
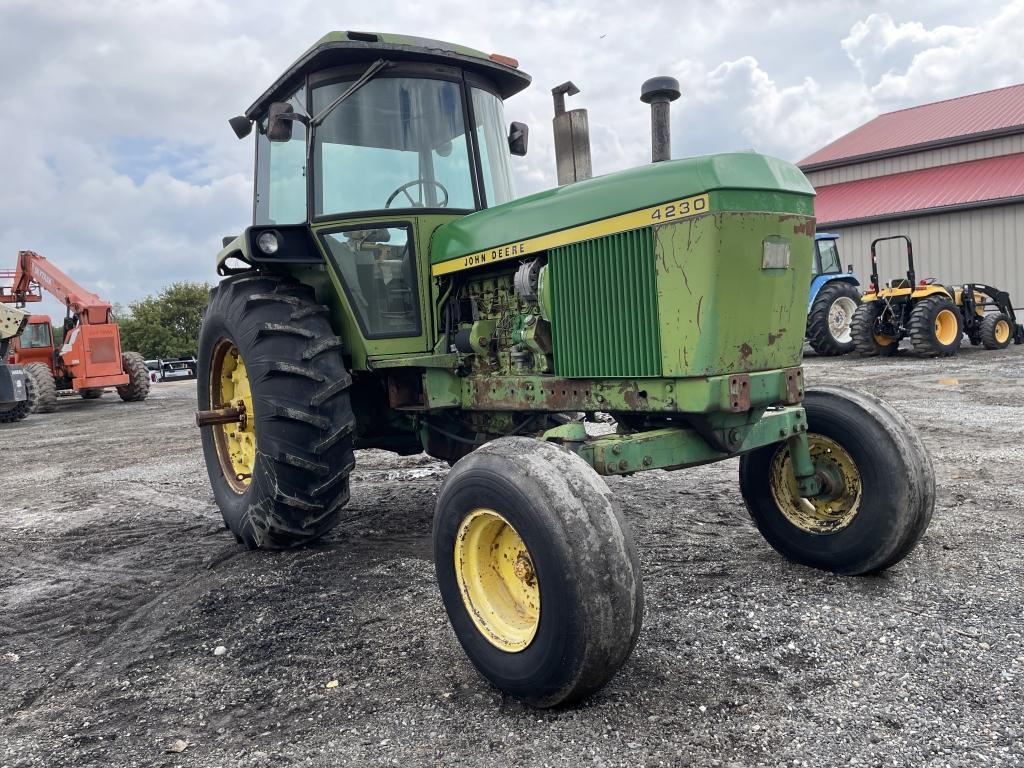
{"x": 90, "y": 357}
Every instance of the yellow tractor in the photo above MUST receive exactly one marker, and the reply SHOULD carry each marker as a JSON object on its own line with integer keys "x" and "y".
{"x": 933, "y": 316}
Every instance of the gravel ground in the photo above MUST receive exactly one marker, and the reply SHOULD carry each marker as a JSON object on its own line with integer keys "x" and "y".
{"x": 118, "y": 585}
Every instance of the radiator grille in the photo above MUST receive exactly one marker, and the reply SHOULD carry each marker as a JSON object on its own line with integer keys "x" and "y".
{"x": 605, "y": 307}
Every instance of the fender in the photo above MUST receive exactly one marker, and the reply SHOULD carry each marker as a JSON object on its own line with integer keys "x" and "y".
{"x": 821, "y": 281}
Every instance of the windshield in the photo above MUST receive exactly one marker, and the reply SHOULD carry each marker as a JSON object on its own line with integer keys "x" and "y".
{"x": 397, "y": 142}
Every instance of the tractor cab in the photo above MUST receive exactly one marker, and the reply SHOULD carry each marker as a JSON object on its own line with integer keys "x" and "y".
{"x": 365, "y": 146}
{"x": 826, "y": 255}
{"x": 35, "y": 344}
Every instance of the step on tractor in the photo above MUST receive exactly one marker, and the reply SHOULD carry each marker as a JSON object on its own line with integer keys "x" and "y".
{"x": 934, "y": 317}
{"x": 90, "y": 357}
{"x": 833, "y": 300}
{"x": 16, "y": 393}
{"x": 393, "y": 293}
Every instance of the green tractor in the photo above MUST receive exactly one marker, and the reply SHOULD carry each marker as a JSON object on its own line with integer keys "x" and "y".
{"x": 392, "y": 293}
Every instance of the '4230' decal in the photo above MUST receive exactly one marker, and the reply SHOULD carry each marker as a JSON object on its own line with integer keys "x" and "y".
{"x": 680, "y": 209}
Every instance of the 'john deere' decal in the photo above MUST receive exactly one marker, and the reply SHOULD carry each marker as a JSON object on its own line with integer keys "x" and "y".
{"x": 659, "y": 214}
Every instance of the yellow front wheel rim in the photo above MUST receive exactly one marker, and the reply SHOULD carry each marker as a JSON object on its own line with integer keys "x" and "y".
{"x": 831, "y": 511}
{"x": 1002, "y": 331}
{"x": 236, "y": 442}
{"x": 497, "y": 580}
{"x": 946, "y": 327}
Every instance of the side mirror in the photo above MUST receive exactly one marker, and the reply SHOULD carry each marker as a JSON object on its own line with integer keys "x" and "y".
{"x": 849, "y": 269}
{"x": 518, "y": 138}
{"x": 279, "y": 121}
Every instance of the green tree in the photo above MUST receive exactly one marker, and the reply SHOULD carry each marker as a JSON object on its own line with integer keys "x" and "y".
{"x": 166, "y": 325}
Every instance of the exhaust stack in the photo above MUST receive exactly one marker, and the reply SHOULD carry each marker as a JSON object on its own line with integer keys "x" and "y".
{"x": 572, "y": 138}
{"x": 659, "y": 92}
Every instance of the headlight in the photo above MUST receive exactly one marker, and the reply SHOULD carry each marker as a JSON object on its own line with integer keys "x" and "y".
{"x": 268, "y": 243}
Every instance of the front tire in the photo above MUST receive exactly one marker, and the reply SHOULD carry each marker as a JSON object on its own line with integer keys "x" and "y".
{"x": 137, "y": 388}
{"x": 868, "y": 339}
{"x": 831, "y": 317}
{"x": 282, "y": 478}
{"x": 996, "y": 331}
{"x": 537, "y": 570}
{"x": 885, "y": 487}
{"x": 45, "y": 388}
{"x": 91, "y": 394}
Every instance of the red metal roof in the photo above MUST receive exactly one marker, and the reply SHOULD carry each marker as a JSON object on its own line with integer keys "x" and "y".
{"x": 973, "y": 182}
{"x": 929, "y": 124}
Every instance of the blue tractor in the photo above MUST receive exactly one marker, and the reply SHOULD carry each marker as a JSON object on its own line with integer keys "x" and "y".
{"x": 833, "y": 300}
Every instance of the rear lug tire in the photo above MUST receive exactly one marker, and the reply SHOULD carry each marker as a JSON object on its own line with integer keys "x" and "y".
{"x": 935, "y": 327}
{"x": 866, "y": 335}
{"x": 301, "y": 423}
{"x": 831, "y": 317}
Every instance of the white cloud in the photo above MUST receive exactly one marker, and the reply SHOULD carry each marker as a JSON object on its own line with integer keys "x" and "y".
{"x": 913, "y": 65}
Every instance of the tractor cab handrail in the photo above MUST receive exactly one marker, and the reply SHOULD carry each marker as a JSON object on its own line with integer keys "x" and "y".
{"x": 911, "y": 282}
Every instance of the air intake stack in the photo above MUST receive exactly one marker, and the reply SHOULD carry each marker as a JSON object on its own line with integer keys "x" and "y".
{"x": 659, "y": 92}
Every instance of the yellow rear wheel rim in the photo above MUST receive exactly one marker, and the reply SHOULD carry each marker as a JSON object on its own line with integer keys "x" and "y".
{"x": 1002, "y": 331}
{"x": 830, "y": 512}
{"x": 946, "y": 327}
{"x": 497, "y": 580}
{"x": 236, "y": 443}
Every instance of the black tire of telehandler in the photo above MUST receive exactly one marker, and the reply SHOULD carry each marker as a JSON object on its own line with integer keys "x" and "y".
{"x": 91, "y": 394}
{"x": 586, "y": 566}
{"x": 924, "y": 339}
{"x": 21, "y": 410}
{"x": 897, "y": 481}
{"x": 303, "y": 415}
{"x": 819, "y": 332}
{"x": 992, "y": 327}
{"x": 45, "y": 386}
{"x": 137, "y": 388}
{"x": 862, "y": 331}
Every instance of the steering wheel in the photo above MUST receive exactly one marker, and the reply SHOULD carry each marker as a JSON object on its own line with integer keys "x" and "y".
{"x": 417, "y": 183}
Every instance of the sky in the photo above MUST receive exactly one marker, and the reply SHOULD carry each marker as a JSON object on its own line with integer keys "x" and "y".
{"x": 117, "y": 162}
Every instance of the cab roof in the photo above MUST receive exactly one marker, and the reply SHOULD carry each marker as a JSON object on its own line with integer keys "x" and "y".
{"x": 340, "y": 48}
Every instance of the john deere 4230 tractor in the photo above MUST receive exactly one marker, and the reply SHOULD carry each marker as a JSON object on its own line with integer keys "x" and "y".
{"x": 392, "y": 293}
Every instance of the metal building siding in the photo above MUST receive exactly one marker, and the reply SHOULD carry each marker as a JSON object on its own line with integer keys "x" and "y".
{"x": 976, "y": 113}
{"x": 976, "y": 181}
{"x": 983, "y": 245}
{"x": 916, "y": 161}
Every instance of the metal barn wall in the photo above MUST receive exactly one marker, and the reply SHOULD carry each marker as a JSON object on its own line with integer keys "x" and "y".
{"x": 914, "y": 161}
{"x": 984, "y": 245}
